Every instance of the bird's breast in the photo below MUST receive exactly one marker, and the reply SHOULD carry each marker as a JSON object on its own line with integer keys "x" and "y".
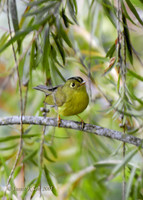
{"x": 75, "y": 104}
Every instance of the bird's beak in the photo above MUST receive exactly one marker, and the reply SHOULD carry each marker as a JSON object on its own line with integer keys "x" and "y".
{"x": 83, "y": 83}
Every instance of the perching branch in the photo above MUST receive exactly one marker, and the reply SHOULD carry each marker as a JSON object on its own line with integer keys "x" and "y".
{"x": 89, "y": 128}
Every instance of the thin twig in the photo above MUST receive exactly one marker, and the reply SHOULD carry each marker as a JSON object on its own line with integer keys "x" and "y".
{"x": 24, "y": 111}
{"x": 89, "y": 128}
{"x": 42, "y": 147}
{"x": 124, "y": 167}
{"x": 20, "y": 91}
{"x": 25, "y": 98}
{"x": 21, "y": 103}
{"x": 124, "y": 125}
{"x": 122, "y": 66}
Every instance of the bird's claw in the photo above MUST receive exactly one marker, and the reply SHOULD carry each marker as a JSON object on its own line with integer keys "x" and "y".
{"x": 82, "y": 124}
{"x": 59, "y": 120}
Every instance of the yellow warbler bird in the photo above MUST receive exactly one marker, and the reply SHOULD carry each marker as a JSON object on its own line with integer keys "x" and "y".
{"x": 70, "y": 98}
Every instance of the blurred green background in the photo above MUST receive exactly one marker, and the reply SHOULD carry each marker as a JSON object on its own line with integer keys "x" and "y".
{"x": 55, "y": 40}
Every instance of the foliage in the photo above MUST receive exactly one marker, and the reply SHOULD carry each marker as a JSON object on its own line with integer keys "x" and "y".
{"x": 54, "y": 40}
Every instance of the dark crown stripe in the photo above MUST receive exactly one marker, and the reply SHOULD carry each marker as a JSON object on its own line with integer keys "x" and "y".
{"x": 77, "y": 78}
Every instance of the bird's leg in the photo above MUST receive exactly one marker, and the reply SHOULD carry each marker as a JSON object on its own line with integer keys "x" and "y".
{"x": 59, "y": 120}
{"x": 82, "y": 122}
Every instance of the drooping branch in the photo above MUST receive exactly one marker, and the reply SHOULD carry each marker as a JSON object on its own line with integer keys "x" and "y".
{"x": 89, "y": 128}
{"x": 13, "y": 7}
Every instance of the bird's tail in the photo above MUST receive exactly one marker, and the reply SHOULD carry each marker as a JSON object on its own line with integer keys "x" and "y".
{"x": 42, "y": 88}
{"x": 45, "y": 89}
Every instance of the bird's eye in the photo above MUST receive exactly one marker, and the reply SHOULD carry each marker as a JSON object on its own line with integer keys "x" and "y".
{"x": 72, "y": 85}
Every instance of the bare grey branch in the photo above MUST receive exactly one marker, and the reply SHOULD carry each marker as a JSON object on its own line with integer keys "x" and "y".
{"x": 89, "y": 128}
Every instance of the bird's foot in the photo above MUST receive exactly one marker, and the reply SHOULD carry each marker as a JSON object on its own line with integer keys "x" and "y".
{"x": 82, "y": 122}
{"x": 59, "y": 120}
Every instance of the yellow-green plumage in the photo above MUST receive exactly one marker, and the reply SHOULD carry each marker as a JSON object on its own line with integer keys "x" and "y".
{"x": 70, "y": 98}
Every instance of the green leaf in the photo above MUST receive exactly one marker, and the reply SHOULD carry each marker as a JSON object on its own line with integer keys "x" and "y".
{"x": 61, "y": 50}
{"x": 119, "y": 167}
{"x": 135, "y": 75}
{"x": 25, "y": 69}
{"x": 32, "y": 56}
{"x": 98, "y": 58}
{"x": 66, "y": 20}
{"x": 52, "y": 150}
{"x": 111, "y": 51}
{"x": 75, "y": 6}
{"x": 38, "y": 2}
{"x": 59, "y": 46}
{"x": 130, "y": 182}
{"x": 21, "y": 67}
{"x": 64, "y": 35}
{"x": 17, "y": 36}
{"x": 106, "y": 163}
{"x": 34, "y": 162}
{"x": 53, "y": 56}
{"x": 132, "y": 8}
{"x": 72, "y": 11}
{"x": 134, "y": 97}
{"x": 59, "y": 73}
{"x": 46, "y": 155}
{"x": 13, "y": 9}
{"x": 7, "y": 171}
{"x": 30, "y": 155}
{"x": 110, "y": 68}
{"x": 127, "y": 38}
{"x": 138, "y": 3}
{"x": 53, "y": 72}
{"x": 3, "y": 39}
{"x": 9, "y": 147}
{"x": 17, "y": 171}
{"x": 14, "y": 137}
{"x": 126, "y": 13}
{"x": 1, "y": 194}
{"x": 109, "y": 10}
{"x": 36, "y": 186}
{"x": 56, "y": 60}
{"x": 43, "y": 10}
{"x": 46, "y": 53}
{"x": 27, "y": 188}
{"x": 22, "y": 33}
{"x": 49, "y": 181}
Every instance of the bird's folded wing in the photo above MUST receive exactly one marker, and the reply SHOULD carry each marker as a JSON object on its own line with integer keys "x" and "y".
{"x": 54, "y": 96}
{"x": 45, "y": 89}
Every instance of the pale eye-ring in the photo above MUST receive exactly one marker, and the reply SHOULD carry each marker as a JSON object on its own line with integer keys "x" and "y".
{"x": 72, "y": 85}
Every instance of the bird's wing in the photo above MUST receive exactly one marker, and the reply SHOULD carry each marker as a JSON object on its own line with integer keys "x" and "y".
{"x": 54, "y": 96}
{"x": 59, "y": 96}
{"x": 45, "y": 89}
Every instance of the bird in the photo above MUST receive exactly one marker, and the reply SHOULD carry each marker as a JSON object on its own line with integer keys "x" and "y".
{"x": 71, "y": 98}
